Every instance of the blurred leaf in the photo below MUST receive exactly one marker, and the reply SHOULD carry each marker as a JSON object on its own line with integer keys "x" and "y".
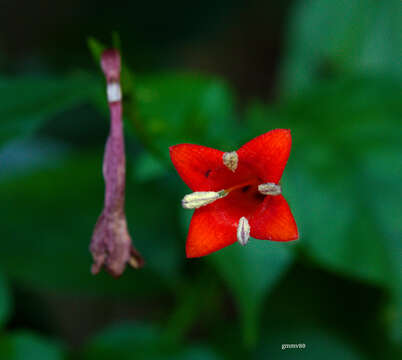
{"x": 251, "y": 272}
{"x": 5, "y": 301}
{"x": 319, "y": 307}
{"x": 146, "y": 167}
{"x": 382, "y": 172}
{"x": 176, "y": 108}
{"x": 24, "y": 345}
{"x": 128, "y": 341}
{"x": 382, "y": 46}
{"x": 341, "y": 36}
{"x": 25, "y": 155}
{"x": 47, "y": 221}
{"x": 116, "y": 41}
{"x": 167, "y": 109}
{"x": 28, "y": 102}
{"x": 341, "y": 179}
{"x": 334, "y": 228}
{"x": 122, "y": 341}
{"x": 96, "y": 48}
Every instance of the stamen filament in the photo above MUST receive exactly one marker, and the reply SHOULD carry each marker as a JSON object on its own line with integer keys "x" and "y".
{"x": 248, "y": 183}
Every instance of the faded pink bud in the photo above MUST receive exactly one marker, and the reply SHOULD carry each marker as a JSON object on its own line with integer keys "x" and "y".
{"x": 111, "y": 243}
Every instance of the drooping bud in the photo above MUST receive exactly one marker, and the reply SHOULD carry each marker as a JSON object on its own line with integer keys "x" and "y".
{"x": 230, "y": 160}
{"x": 243, "y": 231}
{"x": 111, "y": 243}
{"x": 269, "y": 189}
{"x": 201, "y": 198}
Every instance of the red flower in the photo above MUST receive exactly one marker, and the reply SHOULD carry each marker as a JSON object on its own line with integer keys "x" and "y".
{"x": 236, "y": 194}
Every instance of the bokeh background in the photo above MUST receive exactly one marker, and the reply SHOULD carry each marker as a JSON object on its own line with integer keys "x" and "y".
{"x": 215, "y": 73}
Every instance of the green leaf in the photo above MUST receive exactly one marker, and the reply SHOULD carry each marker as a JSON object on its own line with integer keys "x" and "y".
{"x": 5, "y": 301}
{"x": 122, "y": 341}
{"x": 343, "y": 178}
{"x": 27, "y": 102}
{"x": 25, "y": 155}
{"x": 129, "y": 340}
{"x": 24, "y": 345}
{"x": 48, "y": 219}
{"x": 167, "y": 109}
{"x": 382, "y": 171}
{"x": 348, "y": 244}
{"x": 96, "y": 48}
{"x": 147, "y": 167}
{"x": 349, "y": 121}
{"x": 176, "y": 108}
{"x": 382, "y": 45}
{"x": 360, "y": 36}
{"x": 251, "y": 272}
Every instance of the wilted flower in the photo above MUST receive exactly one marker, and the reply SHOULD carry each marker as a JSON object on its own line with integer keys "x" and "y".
{"x": 111, "y": 243}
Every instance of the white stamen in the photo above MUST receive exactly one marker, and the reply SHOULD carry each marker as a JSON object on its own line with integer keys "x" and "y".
{"x": 201, "y": 198}
{"x": 270, "y": 189}
{"x": 113, "y": 92}
{"x": 243, "y": 231}
{"x": 230, "y": 160}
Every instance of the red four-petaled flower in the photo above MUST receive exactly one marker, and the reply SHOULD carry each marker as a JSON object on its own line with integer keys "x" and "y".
{"x": 237, "y": 194}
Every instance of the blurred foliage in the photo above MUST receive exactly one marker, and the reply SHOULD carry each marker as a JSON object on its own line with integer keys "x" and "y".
{"x": 24, "y": 345}
{"x": 75, "y": 205}
{"x": 170, "y": 109}
{"x": 338, "y": 289}
{"x": 5, "y": 301}
{"x": 126, "y": 341}
{"x": 28, "y": 102}
{"x": 250, "y": 294}
{"x": 348, "y": 36}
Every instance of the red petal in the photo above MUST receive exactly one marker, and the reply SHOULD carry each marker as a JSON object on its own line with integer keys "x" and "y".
{"x": 194, "y": 163}
{"x": 273, "y": 221}
{"x": 267, "y": 154}
{"x": 209, "y": 231}
{"x": 202, "y": 168}
{"x": 214, "y": 226}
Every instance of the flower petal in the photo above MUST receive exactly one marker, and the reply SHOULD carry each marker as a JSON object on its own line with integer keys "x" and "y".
{"x": 215, "y": 226}
{"x": 267, "y": 154}
{"x": 194, "y": 163}
{"x": 202, "y": 168}
{"x": 209, "y": 231}
{"x": 273, "y": 220}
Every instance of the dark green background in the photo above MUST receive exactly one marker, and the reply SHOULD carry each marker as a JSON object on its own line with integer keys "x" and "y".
{"x": 215, "y": 73}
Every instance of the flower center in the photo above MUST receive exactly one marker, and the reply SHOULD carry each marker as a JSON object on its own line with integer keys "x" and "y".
{"x": 245, "y": 197}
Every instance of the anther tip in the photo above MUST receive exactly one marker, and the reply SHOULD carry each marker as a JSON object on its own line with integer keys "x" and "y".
{"x": 230, "y": 160}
